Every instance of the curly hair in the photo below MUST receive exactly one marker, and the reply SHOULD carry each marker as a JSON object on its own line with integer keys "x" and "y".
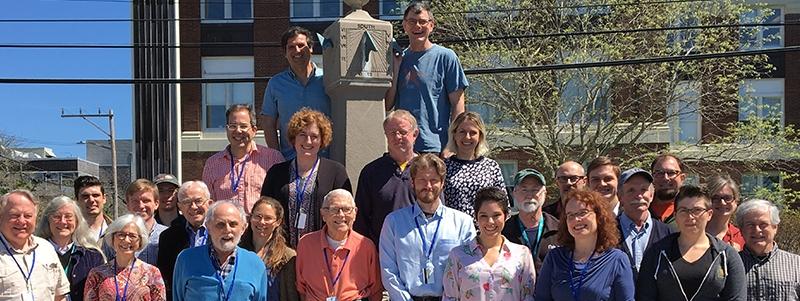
{"x": 305, "y": 117}
{"x": 607, "y": 232}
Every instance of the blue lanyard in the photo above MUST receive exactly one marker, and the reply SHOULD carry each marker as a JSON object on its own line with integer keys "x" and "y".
{"x": 538, "y": 235}
{"x": 300, "y": 193}
{"x": 235, "y": 182}
{"x": 33, "y": 263}
{"x": 427, "y": 252}
{"x": 116, "y": 284}
{"x": 330, "y": 270}
{"x": 218, "y": 275}
{"x": 576, "y": 289}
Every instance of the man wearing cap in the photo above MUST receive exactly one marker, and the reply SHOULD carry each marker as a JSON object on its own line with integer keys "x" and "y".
{"x": 167, "y": 210}
{"x": 531, "y": 227}
{"x": 638, "y": 230}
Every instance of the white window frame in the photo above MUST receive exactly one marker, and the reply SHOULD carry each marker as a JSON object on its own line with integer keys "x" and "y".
{"x": 228, "y": 13}
{"x": 757, "y": 90}
{"x": 316, "y": 17}
{"x": 686, "y": 92}
{"x": 390, "y": 17}
{"x": 236, "y": 61}
{"x": 759, "y": 37}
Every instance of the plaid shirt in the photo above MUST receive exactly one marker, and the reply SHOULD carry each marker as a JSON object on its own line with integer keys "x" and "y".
{"x": 226, "y": 267}
{"x": 774, "y": 277}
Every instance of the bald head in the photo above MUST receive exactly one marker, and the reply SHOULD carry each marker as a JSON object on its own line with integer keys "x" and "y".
{"x": 570, "y": 175}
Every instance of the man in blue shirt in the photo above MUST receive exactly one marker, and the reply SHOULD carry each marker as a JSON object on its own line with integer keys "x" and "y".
{"x": 287, "y": 92}
{"x": 637, "y": 228}
{"x": 415, "y": 241}
{"x": 428, "y": 81}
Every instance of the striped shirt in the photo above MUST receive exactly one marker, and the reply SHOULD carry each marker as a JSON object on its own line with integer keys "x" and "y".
{"x": 774, "y": 277}
{"x": 220, "y": 177}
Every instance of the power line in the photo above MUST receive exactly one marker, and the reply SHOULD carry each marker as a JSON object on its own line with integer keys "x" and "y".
{"x": 441, "y": 41}
{"x": 690, "y": 57}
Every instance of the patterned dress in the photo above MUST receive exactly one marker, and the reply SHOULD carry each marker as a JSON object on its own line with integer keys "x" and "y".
{"x": 464, "y": 179}
{"x": 468, "y": 277}
{"x": 144, "y": 283}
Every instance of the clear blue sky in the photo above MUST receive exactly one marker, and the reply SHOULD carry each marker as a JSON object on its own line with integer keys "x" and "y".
{"x": 31, "y": 112}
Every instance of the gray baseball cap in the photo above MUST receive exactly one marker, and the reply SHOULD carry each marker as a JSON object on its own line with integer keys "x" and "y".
{"x": 166, "y": 178}
{"x": 628, "y": 174}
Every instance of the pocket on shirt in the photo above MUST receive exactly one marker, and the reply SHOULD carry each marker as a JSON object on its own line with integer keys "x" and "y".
{"x": 8, "y": 283}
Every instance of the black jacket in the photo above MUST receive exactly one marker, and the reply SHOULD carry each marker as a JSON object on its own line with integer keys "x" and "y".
{"x": 549, "y": 236}
{"x": 171, "y": 242}
{"x": 81, "y": 261}
{"x": 659, "y": 231}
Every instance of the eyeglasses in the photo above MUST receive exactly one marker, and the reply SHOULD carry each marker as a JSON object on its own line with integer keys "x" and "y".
{"x": 336, "y": 210}
{"x": 671, "y": 174}
{"x": 394, "y": 133}
{"x": 569, "y": 179}
{"x": 420, "y": 22}
{"x": 697, "y": 211}
{"x": 66, "y": 217}
{"x": 197, "y": 202}
{"x": 133, "y": 237}
{"x": 262, "y": 218}
{"x": 235, "y": 127}
{"x": 579, "y": 215}
{"x": 723, "y": 198}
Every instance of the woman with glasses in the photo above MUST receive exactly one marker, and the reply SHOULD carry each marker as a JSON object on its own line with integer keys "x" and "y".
{"x": 63, "y": 225}
{"x": 125, "y": 277}
{"x": 265, "y": 237}
{"x": 691, "y": 264}
{"x": 490, "y": 267}
{"x": 468, "y": 170}
{"x": 724, "y": 194}
{"x": 299, "y": 184}
{"x": 587, "y": 265}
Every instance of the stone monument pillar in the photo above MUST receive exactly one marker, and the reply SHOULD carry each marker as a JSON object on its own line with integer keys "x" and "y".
{"x": 356, "y": 59}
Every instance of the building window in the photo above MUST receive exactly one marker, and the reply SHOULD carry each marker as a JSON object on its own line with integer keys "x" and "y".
{"x": 762, "y": 37}
{"x": 762, "y": 98}
{"x": 683, "y": 40}
{"x": 509, "y": 170}
{"x": 583, "y": 100}
{"x": 391, "y": 10}
{"x": 217, "y": 97}
{"x": 752, "y": 182}
{"x": 684, "y": 113}
{"x": 227, "y": 10}
{"x": 315, "y": 9}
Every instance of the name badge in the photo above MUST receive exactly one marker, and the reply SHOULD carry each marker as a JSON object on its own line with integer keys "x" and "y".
{"x": 332, "y": 298}
{"x": 27, "y": 296}
{"x": 301, "y": 219}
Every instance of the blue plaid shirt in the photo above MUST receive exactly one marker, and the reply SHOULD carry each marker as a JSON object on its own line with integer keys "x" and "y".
{"x": 226, "y": 267}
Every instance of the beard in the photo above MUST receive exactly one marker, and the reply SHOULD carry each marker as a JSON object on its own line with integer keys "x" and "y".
{"x": 529, "y": 206}
{"x": 666, "y": 194}
{"x": 228, "y": 245}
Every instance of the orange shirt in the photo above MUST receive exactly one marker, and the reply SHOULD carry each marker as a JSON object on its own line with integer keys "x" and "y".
{"x": 357, "y": 260}
{"x": 734, "y": 237}
{"x": 662, "y": 210}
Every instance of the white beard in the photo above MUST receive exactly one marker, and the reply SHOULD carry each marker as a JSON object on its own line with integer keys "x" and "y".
{"x": 529, "y": 206}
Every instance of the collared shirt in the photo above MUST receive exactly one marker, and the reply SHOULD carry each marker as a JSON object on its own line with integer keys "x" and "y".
{"x": 774, "y": 277}
{"x": 285, "y": 95}
{"x": 196, "y": 238}
{"x": 217, "y": 175}
{"x": 468, "y": 277}
{"x": 636, "y": 239}
{"x": 355, "y": 265}
{"x": 664, "y": 211}
{"x": 225, "y": 269}
{"x": 47, "y": 278}
{"x": 401, "y": 250}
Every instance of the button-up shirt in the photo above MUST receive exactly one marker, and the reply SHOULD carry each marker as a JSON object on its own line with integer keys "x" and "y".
{"x": 196, "y": 238}
{"x": 773, "y": 277}
{"x": 39, "y": 262}
{"x": 226, "y": 266}
{"x": 403, "y": 259}
{"x": 218, "y": 174}
{"x": 636, "y": 239}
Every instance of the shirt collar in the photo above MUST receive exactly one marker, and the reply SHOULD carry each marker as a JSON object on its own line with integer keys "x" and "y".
{"x": 348, "y": 244}
{"x": 474, "y": 246}
{"x": 628, "y": 224}
{"x": 417, "y": 211}
{"x": 31, "y": 245}
{"x": 213, "y": 253}
{"x": 253, "y": 150}
{"x": 61, "y": 250}
{"x": 313, "y": 71}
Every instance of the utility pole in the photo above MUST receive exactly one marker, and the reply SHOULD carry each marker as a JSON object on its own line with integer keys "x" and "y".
{"x": 112, "y": 136}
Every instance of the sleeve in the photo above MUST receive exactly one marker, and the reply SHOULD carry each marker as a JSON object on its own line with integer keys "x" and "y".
{"x": 735, "y": 281}
{"x": 364, "y": 203}
{"x": 93, "y": 282}
{"x": 528, "y": 276}
{"x": 455, "y": 79}
{"x": 343, "y": 180}
{"x": 287, "y": 282}
{"x": 266, "y": 189}
{"x": 468, "y": 228}
{"x": 499, "y": 181}
{"x": 452, "y": 290}
{"x": 178, "y": 280}
{"x": 646, "y": 276}
{"x": 62, "y": 288}
{"x": 623, "y": 280}
{"x": 207, "y": 178}
{"x": 269, "y": 105}
{"x": 375, "y": 275}
{"x": 390, "y": 273}
{"x": 300, "y": 281}
{"x": 166, "y": 260}
{"x": 158, "y": 291}
{"x": 544, "y": 282}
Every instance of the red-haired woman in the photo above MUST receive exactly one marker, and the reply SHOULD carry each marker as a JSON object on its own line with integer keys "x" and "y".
{"x": 587, "y": 266}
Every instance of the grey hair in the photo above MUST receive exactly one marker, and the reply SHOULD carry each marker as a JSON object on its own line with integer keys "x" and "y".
{"x": 80, "y": 237}
{"x": 401, "y": 114}
{"x": 758, "y": 204}
{"x": 122, "y": 222}
{"x": 188, "y": 184}
{"x": 718, "y": 182}
{"x": 213, "y": 208}
{"x": 24, "y": 192}
{"x": 338, "y": 193}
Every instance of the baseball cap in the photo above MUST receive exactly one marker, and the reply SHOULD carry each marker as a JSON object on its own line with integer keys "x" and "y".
{"x": 522, "y": 174}
{"x": 628, "y": 174}
{"x": 166, "y": 178}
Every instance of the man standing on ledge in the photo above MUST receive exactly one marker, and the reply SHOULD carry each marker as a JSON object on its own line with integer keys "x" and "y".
{"x": 287, "y": 92}
{"x": 428, "y": 81}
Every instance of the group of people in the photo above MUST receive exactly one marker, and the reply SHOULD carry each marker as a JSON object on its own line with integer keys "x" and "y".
{"x": 431, "y": 219}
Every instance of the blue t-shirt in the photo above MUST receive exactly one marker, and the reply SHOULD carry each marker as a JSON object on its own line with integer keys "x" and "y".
{"x": 424, "y": 81}
{"x": 285, "y": 95}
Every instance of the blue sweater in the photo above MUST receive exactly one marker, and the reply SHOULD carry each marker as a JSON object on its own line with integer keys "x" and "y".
{"x": 195, "y": 277}
{"x": 608, "y": 277}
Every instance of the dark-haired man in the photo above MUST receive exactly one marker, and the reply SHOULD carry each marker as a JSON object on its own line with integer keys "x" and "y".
{"x": 91, "y": 196}
{"x": 667, "y": 179}
{"x": 298, "y": 86}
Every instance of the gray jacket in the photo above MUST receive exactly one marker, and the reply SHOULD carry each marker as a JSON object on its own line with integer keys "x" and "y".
{"x": 725, "y": 278}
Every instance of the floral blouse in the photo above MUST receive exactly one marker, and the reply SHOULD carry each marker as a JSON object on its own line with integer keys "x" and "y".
{"x": 468, "y": 277}
{"x": 144, "y": 283}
